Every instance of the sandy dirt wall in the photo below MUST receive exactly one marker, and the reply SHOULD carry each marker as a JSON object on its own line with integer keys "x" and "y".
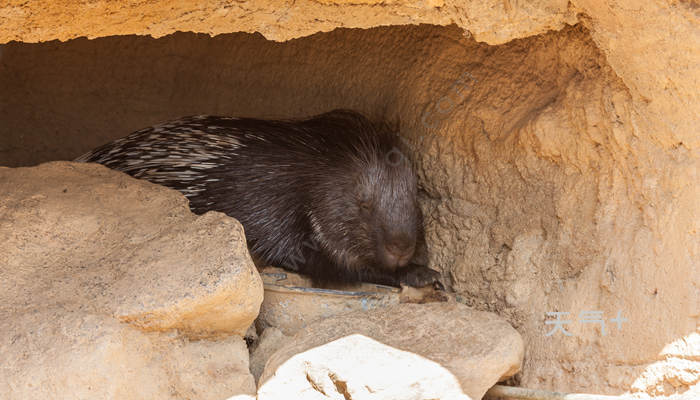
{"x": 545, "y": 187}
{"x": 651, "y": 44}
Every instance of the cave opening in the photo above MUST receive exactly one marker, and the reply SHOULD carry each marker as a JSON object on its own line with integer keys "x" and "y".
{"x": 515, "y": 144}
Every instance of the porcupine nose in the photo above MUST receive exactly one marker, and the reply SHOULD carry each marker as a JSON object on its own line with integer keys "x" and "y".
{"x": 399, "y": 252}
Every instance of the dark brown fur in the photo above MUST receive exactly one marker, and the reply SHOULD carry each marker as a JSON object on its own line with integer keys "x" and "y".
{"x": 330, "y": 196}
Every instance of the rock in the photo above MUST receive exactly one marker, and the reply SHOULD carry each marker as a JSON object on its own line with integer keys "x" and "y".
{"x": 358, "y": 367}
{"x": 251, "y": 335}
{"x": 422, "y": 295}
{"x": 71, "y": 355}
{"x": 292, "y": 302}
{"x": 33, "y": 20}
{"x": 269, "y": 342}
{"x": 676, "y": 375}
{"x": 408, "y": 347}
{"x": 100, "y": 271}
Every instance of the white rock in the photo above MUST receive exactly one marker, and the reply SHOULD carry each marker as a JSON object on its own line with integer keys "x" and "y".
{"x": 408, "y": 351}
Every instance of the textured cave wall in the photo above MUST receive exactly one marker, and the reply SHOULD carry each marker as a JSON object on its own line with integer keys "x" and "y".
{"x": 559, "y": 171}
{"x": 651, "y": 44}
{"x": 492, "y": 21}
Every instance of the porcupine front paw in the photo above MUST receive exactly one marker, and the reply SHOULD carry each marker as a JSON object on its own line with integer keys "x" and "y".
{"x": 420, "y": 276}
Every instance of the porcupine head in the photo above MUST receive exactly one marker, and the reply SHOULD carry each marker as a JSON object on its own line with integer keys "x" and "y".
{"x": 366, "y": 215}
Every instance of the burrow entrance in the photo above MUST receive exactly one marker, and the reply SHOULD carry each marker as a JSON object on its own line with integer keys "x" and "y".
{"x": 516, "y": 144}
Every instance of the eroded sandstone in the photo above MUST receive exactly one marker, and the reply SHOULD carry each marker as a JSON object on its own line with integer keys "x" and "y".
{"x": 106, "y": 279}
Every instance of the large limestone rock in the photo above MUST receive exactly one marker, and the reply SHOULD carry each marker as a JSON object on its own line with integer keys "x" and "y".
{"x": 54, "y": 354}
{"x": 417, "y": 351}
{"x": 104, "y": 281}
{"x": 357, "y": 367}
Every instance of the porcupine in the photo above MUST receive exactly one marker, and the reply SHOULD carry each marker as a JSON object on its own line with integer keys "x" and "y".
{"x": 329, "y": 196}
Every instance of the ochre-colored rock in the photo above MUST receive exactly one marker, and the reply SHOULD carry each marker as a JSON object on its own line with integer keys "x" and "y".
{"x": 104, "y": 281}
{"x": 640, "y": 39}
{"x": 406, "y": 347}
{"x": 292, "y": 302}
{"x": 271, "y": 339}
{"x": 53, "y": 354}
{"x": 492, "y": 21}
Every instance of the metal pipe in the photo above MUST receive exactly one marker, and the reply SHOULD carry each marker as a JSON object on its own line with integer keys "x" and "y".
{"x": 537, "y": 394}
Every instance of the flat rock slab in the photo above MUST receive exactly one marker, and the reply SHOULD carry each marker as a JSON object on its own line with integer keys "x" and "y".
{"x": 90, "y": 256}
{"x": 407, "y": 351}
